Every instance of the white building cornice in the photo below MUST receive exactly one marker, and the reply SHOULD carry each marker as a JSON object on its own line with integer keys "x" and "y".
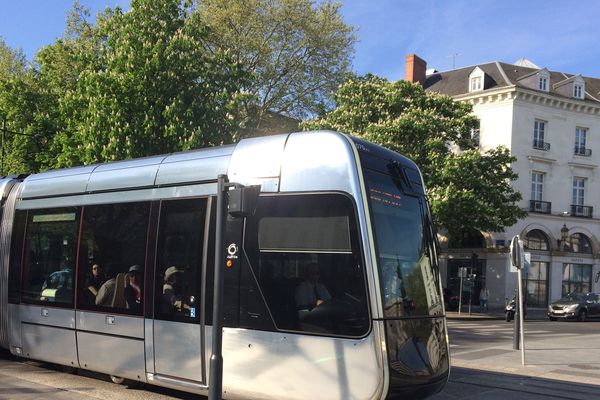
{"x": 582, "y": 165}
{"x": 530, "y": 96}
{"x": 540, "y": 159}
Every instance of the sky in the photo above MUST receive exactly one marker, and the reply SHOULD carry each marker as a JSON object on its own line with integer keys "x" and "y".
{"x": 561, "y": 35}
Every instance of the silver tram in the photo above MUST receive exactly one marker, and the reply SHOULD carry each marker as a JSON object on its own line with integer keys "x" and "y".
{"x": 110, "y": 267}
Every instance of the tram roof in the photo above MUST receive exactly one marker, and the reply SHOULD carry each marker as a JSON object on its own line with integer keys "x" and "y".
{"x": 261, "y": 157}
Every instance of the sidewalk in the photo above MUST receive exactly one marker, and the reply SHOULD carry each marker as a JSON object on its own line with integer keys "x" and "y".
{"x": 561, "y": 356}
{"x": 538, "y": 314}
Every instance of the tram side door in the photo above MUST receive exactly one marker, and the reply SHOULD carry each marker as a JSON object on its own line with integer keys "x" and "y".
{"x": 183, "y": 288}
{"x": 177, "y": 341}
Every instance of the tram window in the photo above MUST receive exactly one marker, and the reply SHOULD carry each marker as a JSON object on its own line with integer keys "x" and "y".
{"x": 49, "y": 256}
{"x": 112, "y": 257}
{"x": 178, "y": 275}
{"x": 404, "y": 249}
{"x": 308, "y": 262}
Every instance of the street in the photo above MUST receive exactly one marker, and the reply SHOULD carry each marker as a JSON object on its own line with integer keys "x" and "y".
{"x": 563, "y": 362}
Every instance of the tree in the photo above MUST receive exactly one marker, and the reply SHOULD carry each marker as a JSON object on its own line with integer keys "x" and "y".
{"x": 22, "y": 105}
{"x": 298, "y": 52}
{"x": 12, "y": 62}
{"x": 146, "y": 85}
{"x": 467, "y": 189}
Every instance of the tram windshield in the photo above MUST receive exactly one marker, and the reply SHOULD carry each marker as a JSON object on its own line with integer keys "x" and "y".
{"x": 404, "y": 247}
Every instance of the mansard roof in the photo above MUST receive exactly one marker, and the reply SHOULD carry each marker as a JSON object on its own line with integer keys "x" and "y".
{"x": 504, "y": 75}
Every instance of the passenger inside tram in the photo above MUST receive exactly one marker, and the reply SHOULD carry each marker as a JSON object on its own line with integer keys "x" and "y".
{"x": 107, "y": 290}
{"x": 133, "y": 289}
{"x": 94, "y": 280}
{"x": 173, "y": 300}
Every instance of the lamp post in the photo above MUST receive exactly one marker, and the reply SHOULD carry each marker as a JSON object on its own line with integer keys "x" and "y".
{"x": 564, "y": 235}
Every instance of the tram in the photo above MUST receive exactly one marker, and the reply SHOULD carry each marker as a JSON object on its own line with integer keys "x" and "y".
{"x": 331, "y": 286}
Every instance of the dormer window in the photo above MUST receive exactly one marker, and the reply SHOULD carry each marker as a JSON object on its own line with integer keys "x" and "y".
{"x": 476, "y": 80}
{"x": 476, "y": 83}
{"x": 578, "y": 90}
{"x": 543, "y": 83}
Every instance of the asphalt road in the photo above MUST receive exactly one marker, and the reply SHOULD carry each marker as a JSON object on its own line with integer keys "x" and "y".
{"x": 479, "y": 346}
{"x": 32, "y": 380}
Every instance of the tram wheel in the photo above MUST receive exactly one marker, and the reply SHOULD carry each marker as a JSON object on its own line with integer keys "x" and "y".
{"x": 117, "y": 379}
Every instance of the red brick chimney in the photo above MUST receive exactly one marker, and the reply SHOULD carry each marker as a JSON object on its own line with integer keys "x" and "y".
{"x": 415, "y": 69}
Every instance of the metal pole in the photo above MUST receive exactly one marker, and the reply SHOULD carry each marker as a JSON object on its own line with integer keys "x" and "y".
{"x": 470, "y": 295}
{"x": 215, "y": 387}
{"x": 460, "y": 294}
{"x": 516, "y": 324}
{"x": 521, "y": 326}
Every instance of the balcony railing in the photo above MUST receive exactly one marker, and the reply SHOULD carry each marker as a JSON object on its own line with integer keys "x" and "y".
{"x": 541, "y": 145}
{"x": 582, "y": 151}
{"x": 581, "y": 211}
{"x": 538, "y": 206}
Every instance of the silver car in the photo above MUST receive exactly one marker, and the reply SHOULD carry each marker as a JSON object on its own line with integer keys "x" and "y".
{"x": 577, "y": 306}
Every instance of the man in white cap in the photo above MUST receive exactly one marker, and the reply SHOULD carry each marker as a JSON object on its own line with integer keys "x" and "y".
{"x": 172, "y": 296}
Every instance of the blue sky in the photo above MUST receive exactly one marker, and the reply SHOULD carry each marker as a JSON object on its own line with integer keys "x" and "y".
{"x": 560, "y": 35}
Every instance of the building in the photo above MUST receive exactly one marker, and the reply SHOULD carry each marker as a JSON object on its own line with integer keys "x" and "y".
{"x": 550, "y": 121}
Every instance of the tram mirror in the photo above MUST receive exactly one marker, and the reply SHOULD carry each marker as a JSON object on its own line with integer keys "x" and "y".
{"x": 242, "y": 201}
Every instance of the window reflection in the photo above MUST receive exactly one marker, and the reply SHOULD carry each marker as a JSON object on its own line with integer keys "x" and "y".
{"x": 49, "y": 257}
{"x": 409, "y": 282}
{"x": 112, "y": 257}
{"x": 309, "y": 264}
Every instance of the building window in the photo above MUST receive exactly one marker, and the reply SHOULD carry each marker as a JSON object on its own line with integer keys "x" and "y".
{"x": 539, "y": 128}
{"x": 543, "y": 83}
{"x": 476, "y": 83}
{"x": 578, "y": 191}
{"x": 475, "y": 136}
{"x": 536, "y": 240}
{"x": 578, "y": 91}
{"x": 576, "y": 278}
{"x": 537, "y": 185}
{"x": 580, "y": 243}
{"x": 536, "y": 284}
{"x": 580, "y": 141}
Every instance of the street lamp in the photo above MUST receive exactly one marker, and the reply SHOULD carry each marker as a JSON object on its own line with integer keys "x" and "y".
{"x": 564, "y": 235}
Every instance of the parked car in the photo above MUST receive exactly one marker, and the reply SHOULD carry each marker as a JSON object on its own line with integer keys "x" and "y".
{"x": 577, "y": 306}
{"x": 450, "y": 300}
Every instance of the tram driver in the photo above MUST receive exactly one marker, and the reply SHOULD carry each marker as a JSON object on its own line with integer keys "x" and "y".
{"x": 310, "y": 293}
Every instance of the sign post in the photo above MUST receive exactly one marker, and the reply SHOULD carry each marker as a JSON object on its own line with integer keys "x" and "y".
{"x": 462, "y": 272}
{"x": 518, "y": 261}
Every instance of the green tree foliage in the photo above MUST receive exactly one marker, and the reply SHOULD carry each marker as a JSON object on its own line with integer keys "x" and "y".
{"x": 299, "y": 52}
{"x": 23, "y": 105}
{"x": 146, "y": 85}
{"x": 467, "y": 189}
{"x": 131, "y": 84}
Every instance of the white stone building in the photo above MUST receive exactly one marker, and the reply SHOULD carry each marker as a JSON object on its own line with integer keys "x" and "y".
{"x": 550, "y": 121}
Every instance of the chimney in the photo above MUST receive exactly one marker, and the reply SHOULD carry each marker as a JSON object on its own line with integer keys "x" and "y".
{"x": 415, "y": 69}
